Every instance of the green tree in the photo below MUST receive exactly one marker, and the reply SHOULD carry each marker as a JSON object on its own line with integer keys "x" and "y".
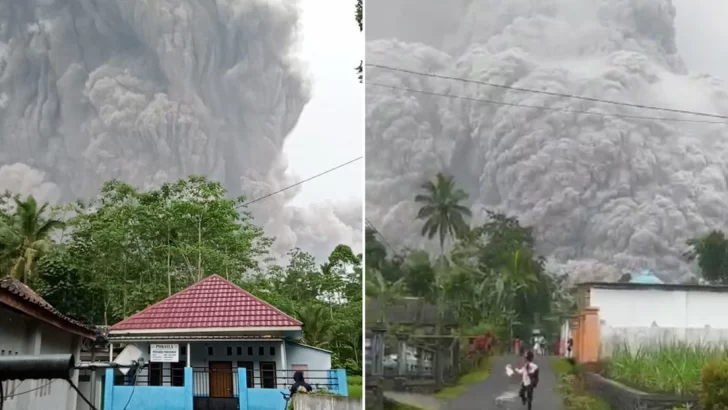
{"x": 442, "y": 211}
{"x": 711, "y": 253}
{"x": 25, "y": 237}
{"x": 359, "y": 16}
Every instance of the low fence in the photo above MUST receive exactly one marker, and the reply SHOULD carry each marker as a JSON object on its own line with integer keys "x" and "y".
{"x": 226, "y": 383}
{"x": 145, "y": 397}
{"x": 622, "y": 397}
{"x": 203, "y": 388}
{"x": 310, "y": 402}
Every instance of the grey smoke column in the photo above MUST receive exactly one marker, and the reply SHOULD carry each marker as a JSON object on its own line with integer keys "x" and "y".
{"x": 599, "y": 191}
{"x": 151, "y": 91}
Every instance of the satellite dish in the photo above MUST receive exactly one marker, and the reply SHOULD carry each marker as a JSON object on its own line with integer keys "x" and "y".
{"x": 130, "y": 355}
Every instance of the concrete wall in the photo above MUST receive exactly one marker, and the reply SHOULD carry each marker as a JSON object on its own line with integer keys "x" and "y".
{"x": 309, "y": 402}
{"x": 20, "y": 334}
{"x": 636, "y": 318}
{"x": 297, "y": 354}
{"x": 670, "y": 309}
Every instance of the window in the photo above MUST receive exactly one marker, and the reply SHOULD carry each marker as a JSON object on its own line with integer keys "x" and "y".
{"x": 250, "y": 350}
{"x": 248, "y": 366}
{"x": 183, "y": 350}
{"x": 178, "y": 374}
{"x": 229, "y": 351}
{"x": 268, "y": 375}
{"x": 155, "y": 374}
{"x": 210, "y": 351}
{"x": 239, "y": 351}
{"x": 272, "y": 350}
{"x": 261, "y": 350}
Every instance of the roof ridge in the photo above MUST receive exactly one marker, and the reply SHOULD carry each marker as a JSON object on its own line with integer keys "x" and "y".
{"x": 245, "y": 292}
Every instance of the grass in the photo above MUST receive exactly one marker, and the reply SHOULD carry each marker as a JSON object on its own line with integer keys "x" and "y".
{"x": 672, "y": 368}
{"x": 574, "y": 397}
{"x": 464, "y": 382}
{"x": 355, "y": 386}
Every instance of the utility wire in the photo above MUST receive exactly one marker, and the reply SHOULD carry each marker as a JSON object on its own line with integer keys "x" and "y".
{"x": 551, "y": 93}
{"x": 301, "y": 182}
{"x": 540, "y": 107}
{"x": 90, "y": 405}
{"x": 381, "y": 236}
{"x": 29, "y": 390}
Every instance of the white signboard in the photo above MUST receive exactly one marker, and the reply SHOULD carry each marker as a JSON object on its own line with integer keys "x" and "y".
{"x": 164, "y": 353}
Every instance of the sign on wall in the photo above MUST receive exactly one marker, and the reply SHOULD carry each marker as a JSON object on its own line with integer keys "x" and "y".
{"x": 168, "y": 353}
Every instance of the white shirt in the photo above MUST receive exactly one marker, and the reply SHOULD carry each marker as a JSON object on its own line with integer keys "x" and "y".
{"x": 526, "y": 371}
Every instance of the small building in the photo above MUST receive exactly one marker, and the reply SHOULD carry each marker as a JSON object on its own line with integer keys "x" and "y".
{"x": 213, "y": 346}
{"x": 31, "y": 326}
{"x": 647, "y": 311}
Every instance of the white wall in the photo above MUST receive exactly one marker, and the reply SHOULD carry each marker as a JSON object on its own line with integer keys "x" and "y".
{"x": 637, "y": 317}
{"x": 315, "y": 359}
{"x": 19, "y": 334}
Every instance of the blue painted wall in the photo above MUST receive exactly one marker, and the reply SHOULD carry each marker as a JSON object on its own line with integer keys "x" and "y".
{"x": 147, "y": 397}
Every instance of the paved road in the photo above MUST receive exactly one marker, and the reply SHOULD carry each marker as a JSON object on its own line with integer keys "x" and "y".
{"x": 484, "y": 394}
{"x": 415, "y": 400}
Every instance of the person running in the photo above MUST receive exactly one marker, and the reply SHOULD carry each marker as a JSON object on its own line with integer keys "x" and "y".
{"x": 569, "y": 346}
{"x": 529, "y": 379}
{"x": 300, "y": 385}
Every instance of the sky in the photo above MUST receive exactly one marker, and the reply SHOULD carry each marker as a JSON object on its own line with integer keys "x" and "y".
{"x": 701, "y": 34}
{"x": 331, "y": 128}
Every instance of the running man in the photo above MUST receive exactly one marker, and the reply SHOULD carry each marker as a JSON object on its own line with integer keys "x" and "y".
{"x": 529, "y": 380}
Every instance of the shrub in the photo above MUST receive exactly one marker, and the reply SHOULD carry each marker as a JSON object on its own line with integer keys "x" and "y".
{"x": 713, "y": 394}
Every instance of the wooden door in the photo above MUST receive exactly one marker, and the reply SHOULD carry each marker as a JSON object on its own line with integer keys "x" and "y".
{"x": 221, "y": 379}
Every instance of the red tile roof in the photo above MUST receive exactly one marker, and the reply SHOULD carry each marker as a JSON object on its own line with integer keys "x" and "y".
{"x": 211, "y": 303}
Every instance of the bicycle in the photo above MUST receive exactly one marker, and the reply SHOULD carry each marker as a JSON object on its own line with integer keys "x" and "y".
{"x": 287, "y": 398}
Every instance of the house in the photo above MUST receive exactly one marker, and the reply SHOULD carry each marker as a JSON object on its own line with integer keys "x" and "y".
{"x": 31, "y": 326}
{"x": 213, "y": 346}
{"x": 645, "y": 310}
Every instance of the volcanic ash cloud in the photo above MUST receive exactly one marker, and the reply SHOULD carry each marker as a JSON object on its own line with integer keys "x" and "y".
{"x": 605, "y": 190}
{"x": 148, "y": 92}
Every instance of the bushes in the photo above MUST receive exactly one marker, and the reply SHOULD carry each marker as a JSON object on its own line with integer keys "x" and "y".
{"x": 669, "y": 367}
{"x": 570, "y": 388}
{"x": 713, "y": 393}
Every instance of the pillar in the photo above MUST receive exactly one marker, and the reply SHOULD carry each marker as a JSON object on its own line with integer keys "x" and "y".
{"x": 590, "y": 352}
{"x": 242, "y": 389}
{"x": 402, "y": 355}
{"x": 377, "y": 351}
{"x": 189, "y": 355}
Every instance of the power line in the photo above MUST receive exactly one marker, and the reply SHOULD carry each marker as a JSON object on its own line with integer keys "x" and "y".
{"x": 29, "y": 390}
{"x": 540, "y": 107}
{"x": 551, "y": 93}
{"x": 381, "y": 236}
{"x": 301, "y": 182}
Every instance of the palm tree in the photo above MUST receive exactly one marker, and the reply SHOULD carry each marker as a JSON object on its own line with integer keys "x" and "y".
{"x": 318, "y": 324}
{"x": 442, "y": 212}
{"x": 24, "y": 237}
{"x": 444, "y": 216}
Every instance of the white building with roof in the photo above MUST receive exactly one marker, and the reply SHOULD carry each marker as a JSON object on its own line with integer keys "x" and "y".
{"x": 31, "y": 326}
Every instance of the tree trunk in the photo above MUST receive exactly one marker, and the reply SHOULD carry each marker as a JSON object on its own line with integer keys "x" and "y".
{"x": 439, "y": 318}
{"x": 169, "y": 274}
{"x": 199, "y": 249}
